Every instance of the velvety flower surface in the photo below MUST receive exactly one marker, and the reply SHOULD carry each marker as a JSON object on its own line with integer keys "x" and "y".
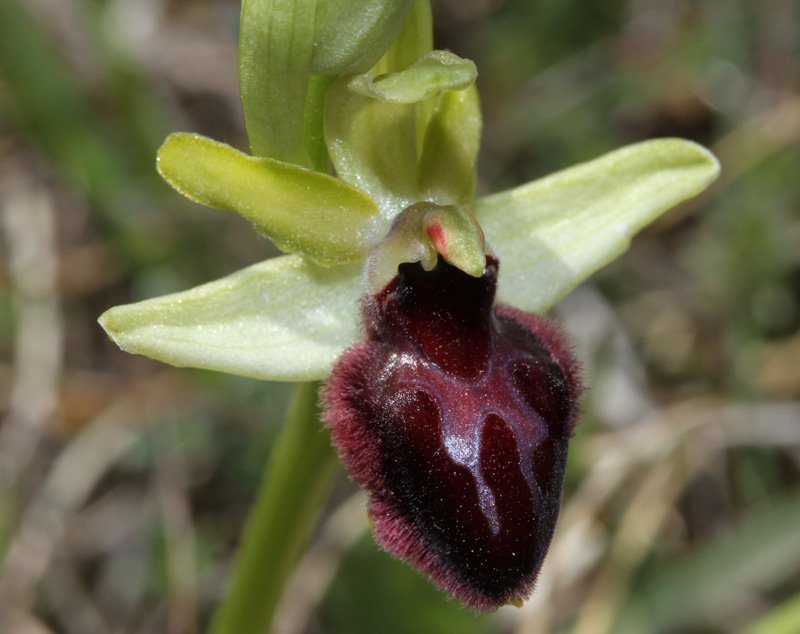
{"x": 455, "y": 415}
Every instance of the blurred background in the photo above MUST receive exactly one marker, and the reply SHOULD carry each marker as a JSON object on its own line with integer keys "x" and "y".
{"x": 124, "y": 484}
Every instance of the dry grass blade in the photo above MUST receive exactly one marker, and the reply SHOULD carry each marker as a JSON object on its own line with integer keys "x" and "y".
{"x": 649, "y": 466}
{"x": 180, "y": 543}
{"x": 316, "y": 570}
{"x": 70, "y": 481}
{"x": 27, "y": 216}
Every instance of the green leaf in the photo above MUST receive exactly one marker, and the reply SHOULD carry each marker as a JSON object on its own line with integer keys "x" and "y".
{"x": 298, "y": 209}
{"x": 284, "y": 319}
{"x": 447, "y": 166}
{"x": 276, "y": 41}
{"x": 352, "y": 35}
{"x": 553, "y": 233}
{"x": 758, "y": 554}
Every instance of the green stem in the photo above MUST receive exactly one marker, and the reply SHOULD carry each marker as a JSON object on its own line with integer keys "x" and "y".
{"x": 297, "y": 478}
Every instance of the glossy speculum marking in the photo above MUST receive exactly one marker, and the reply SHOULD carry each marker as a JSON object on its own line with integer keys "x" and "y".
{"x": 455, "y": 414}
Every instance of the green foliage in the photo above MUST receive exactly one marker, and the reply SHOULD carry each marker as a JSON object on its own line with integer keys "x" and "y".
{"x": 356, "y": 602}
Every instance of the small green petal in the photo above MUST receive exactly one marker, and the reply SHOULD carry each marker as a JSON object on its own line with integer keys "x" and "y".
{"x": 298, "y": 209}
{"x": 553, "y": 233}
{"x": 284, "y": 319}
{"x": 371, "y": 126}
{"x": 352, "y": 35}
{"x": 276, "y": 40}
{"x": 372, "y": 145}
{"x": 447, "y": 166}
{"x": 429, "y": 75}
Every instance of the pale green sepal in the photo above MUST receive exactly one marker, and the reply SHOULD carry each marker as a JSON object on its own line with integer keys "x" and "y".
{"x": 432, "y": 73}
{"x": 284, "y": 319}
{"x": 447, "y": 165}
{"x": 298, "y": 209}
{"x": 372, "y": 145}
{"x": 553, "y": 233}
{"x": 352, "y": 35}
{"x": 276, "y": 41}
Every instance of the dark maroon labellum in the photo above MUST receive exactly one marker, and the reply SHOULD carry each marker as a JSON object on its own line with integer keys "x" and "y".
{"x": 455, "y": 415}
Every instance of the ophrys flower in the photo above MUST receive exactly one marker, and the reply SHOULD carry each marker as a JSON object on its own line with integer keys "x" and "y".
{"x": 464, "y": 485}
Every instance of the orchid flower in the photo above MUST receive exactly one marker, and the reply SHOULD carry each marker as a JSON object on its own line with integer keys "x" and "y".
{"x": 453, "y": 407}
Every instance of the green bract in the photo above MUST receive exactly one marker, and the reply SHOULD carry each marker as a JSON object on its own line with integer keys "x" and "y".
{"x": 276, "y": 40}
{"x": 402, "y": 133}
{"x": 352, "y": 35}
